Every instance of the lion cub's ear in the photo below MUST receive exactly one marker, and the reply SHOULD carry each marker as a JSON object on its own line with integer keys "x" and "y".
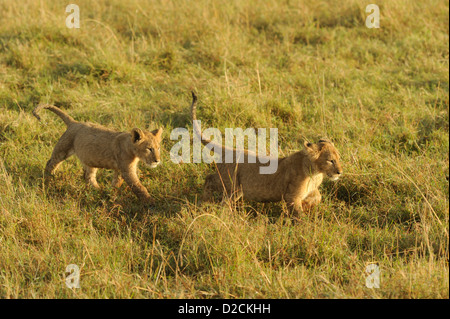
{"x": 310, "y": 146}
{"x": 158, "y": 133}
{"x": 312, "y": 149}
{"x": 136, "y": 134}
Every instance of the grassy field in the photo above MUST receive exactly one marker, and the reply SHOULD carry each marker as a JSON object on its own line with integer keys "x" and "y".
{"x": 309, "y": 68}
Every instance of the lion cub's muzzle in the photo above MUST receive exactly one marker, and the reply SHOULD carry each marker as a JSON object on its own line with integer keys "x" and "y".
{"x": 154, "y": 164}
{"x": 335, "y": 177}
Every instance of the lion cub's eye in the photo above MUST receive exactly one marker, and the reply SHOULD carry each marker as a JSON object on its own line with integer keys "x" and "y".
{"x": 332, "y": 161}
{"x": 150, "y": 149}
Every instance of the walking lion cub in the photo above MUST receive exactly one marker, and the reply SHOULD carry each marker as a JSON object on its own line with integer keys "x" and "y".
{"x": 100, "y": 147}
{"x": 296, "y": 180}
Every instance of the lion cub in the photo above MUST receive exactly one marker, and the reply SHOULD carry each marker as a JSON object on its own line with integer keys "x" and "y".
{"x": 296, "y": 180}
{"x": 100, "y": 147}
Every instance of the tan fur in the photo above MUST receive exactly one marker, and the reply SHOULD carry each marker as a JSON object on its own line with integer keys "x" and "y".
{"x": 100, "y": 147}
{"x": 296, "y": 180}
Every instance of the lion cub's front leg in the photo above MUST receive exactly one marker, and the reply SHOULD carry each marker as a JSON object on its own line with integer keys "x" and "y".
{"x": 295, "y": 204}
{"x": 293, "y": 196}
{"x": 301, "y": 205}
{"x": 90, "y": 176}
{"x": 131, "y": 178}
{"x": 311, "y": 200}
{"x": 117, "y": 180}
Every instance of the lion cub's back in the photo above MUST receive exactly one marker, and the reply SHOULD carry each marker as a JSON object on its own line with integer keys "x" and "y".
{"x": 95, "y": 145}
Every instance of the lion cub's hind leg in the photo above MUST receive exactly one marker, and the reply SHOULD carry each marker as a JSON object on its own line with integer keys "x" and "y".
{"x": 63, "y": 149}
{"x": 229, "y": 190}
{"x": 212, "y": 183}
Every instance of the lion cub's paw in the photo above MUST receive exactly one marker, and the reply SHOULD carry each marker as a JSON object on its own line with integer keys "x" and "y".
{"x": 148, "y": 201}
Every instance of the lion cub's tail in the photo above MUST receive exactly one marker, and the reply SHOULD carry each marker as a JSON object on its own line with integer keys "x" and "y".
{"x": 207, "y": 142}
{"x": 64, "y": 116}
{"x": 197, "y": 131}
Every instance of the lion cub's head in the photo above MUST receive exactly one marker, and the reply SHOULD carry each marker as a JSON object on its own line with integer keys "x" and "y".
{"x": 326, "y": 158}
{"x": 147, "y": 145}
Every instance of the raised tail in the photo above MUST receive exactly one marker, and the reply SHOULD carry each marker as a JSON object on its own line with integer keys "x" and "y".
{"x": 63, "y": 115}
{"x": 197, "y": 131}
{"x": 210, "y": 144}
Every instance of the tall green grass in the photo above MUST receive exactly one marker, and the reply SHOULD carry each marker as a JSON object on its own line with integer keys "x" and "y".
{"x": 310, "y": 69}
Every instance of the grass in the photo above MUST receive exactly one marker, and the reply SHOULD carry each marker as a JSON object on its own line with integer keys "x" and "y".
{"x": 308, "y": 69}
